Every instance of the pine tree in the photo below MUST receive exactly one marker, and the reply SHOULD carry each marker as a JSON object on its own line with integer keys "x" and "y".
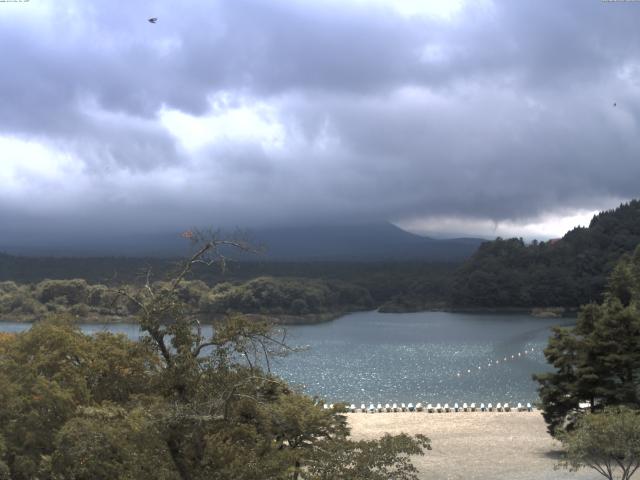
{"x": 598, "y": 360}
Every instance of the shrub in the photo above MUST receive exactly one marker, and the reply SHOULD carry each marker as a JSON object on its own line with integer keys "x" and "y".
{"x": 73, "y": 291}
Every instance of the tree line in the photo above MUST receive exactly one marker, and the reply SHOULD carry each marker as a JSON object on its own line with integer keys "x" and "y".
{"x": 567, "y": 272}
{"x": 263, "y": 295}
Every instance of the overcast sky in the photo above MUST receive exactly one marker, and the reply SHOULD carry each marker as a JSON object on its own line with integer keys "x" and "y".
{"x": 481, "y": 117}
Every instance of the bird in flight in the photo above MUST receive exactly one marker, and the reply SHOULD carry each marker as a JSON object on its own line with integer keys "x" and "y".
{"x": 153, "y": 20}
{"x": 615, "y": 104}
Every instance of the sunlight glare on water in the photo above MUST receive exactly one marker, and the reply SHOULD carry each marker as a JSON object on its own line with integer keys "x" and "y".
{"x": 414, "y": 357}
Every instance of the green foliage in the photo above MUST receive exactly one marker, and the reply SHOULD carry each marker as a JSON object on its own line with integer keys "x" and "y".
{"x": 5, "y": 473}
{"x": 263, "y": 295}
{"x": 568, "y": 272}
{"x": 175, "y": 405}
{"x": 386, "y": 459}
{"x": 396, "y": 286}
{"x": 269, "y": 295}
{"x": 597, "y": 361}
{"x": 72, "y": 291}
{"x": 51, "y": 370}
{"x": 107, "y": 442}
{"x": 607, "y": 442}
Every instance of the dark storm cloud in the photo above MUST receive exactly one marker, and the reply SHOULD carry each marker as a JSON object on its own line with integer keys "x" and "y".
{"x": 504, "y": 112}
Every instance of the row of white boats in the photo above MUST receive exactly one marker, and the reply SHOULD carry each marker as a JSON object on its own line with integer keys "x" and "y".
{"x": 438, "y": 408}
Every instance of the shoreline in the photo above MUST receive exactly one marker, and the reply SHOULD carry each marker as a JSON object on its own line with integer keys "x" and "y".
{"x": 310, "y": 319}
{"x": 317, "y": 318}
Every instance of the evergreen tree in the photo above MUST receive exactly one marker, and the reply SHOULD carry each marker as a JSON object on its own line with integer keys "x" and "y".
{"x": 598, "y": 360}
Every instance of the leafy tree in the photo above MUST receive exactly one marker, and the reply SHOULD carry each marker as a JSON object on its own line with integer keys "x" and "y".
{"x": 225, "y": 417}
{"x": 107, "y": 442}
{"x": 48, "y": 372}
{"x": 598, "y": 360}
{"x": 176, "y": 405}
{"x": 5, "y": 474}
{"x": 385, "y": 459}
{"x": 607, "y": 442}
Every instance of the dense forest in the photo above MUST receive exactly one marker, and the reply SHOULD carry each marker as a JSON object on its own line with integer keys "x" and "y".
{"x": 264, "y": 295}
{"x": 566, "y": 272}
{"x": 247, "y": 287}
{"x": 505, "y": 273}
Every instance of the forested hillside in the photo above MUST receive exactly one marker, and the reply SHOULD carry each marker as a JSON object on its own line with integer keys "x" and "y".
{"x": 567, "y": 272}
{"x": 396, "y": 286}
{"x": 327, "y": 243}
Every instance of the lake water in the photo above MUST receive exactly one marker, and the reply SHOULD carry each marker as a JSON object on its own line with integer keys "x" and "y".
{"x": 370, "y": 357}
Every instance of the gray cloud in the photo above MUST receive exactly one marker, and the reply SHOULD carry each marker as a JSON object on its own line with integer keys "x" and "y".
{"x": 504, "y": 113}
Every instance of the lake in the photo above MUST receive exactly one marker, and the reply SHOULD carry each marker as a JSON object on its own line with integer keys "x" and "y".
{"x": 371, "y": 357}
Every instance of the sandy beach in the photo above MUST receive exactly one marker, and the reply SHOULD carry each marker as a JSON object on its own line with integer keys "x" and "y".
{"x": 475, "y": 445}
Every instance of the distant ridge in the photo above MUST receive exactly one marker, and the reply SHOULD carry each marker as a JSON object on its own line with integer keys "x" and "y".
{"x": 370, "y": 242}
{"x": 360, "y": 243}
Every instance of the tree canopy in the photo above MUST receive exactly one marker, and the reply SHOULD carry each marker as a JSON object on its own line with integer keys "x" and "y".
{"x": 607, "y": 442}
{"x": 566, "y": 272}
{"x": 597, "y": 361}
{"x": 175, "y": 406}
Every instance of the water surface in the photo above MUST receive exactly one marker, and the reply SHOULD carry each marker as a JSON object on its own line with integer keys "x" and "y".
{"x": 428, "y": 356}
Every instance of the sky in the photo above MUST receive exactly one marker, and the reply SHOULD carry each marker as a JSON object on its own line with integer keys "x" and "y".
{"x": 444, "y": 117}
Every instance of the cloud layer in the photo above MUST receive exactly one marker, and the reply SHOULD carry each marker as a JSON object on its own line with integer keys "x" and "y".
{"x": 270, "y": 111}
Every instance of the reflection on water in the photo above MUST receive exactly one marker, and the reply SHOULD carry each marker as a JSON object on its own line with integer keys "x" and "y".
{"x": 427, "y": 357}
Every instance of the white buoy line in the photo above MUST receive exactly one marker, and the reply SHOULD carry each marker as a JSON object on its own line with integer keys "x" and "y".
{"x": 438, "y": 408}
{"x": 496, "y": 362}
